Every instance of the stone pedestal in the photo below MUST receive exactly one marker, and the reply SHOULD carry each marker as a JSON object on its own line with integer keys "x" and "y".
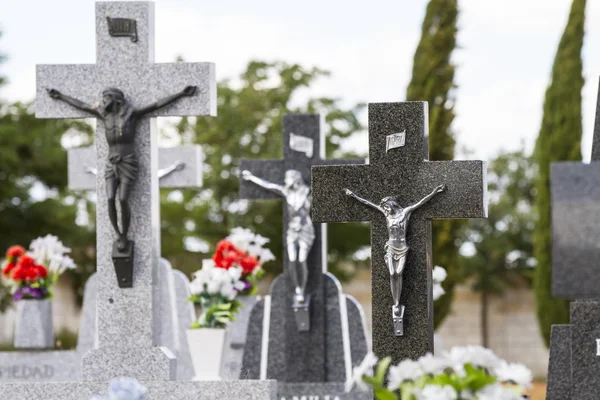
{"x": 33, "y": 327}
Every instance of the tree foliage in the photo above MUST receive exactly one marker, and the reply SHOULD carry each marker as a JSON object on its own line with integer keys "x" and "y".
{"x": 502, "y": 244}
{"x": 433, "y": 81}
{"x": 249, "y": 125}
{"x": 559, "y": 139}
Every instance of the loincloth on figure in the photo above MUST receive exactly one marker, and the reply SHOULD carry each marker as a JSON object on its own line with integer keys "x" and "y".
{"x": 122, "y": 168}
{"x": 298, "y": 232}
{"x": 395, "y": 252}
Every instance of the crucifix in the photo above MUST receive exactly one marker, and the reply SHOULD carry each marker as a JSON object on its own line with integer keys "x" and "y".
{"x": 398, "y": 184}
{"x": 129, "y": 86}
{"x": 298, "y": 295}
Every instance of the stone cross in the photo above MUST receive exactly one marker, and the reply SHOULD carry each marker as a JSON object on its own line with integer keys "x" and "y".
{"x": 126, "y": 340}
{"x": 287, "y": 353}
{"x": 398, "y": 168}
{"x": 178, "y": 167}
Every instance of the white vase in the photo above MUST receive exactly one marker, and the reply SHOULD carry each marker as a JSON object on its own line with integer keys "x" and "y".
{"x": 206, "y": 350}
{"x": 33, "y": 326}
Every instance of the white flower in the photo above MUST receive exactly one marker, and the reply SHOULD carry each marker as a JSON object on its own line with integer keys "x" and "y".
{"x": 475, "y": 355}
{"x": 434, "y": 392}
{"x": 44, "y": 248}
{"x": 126, "y": 389}
{"x": 407, "y": 370}
{"x": 497, "y": 392}
{"x": 235, "y": 273}
{"x": 364, "y": 369}
{"x": 514, "y": 373}
{"x": 438, "y": 291}
{"x": 59, "y": 263}
{"x": 433, "y": 365}
{"x": 439, "y": 274}
{"x": 266, "y": 255}
{"x": 241, "y": 238}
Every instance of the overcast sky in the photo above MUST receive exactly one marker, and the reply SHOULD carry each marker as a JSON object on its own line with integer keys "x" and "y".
{"x": 506, "y": 51}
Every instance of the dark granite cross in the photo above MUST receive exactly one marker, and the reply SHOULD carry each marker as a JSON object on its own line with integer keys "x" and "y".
{"x": 292, "y": 355}
{"x": 397, "y": 168}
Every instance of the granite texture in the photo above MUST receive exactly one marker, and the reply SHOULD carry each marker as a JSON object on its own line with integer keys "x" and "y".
{"x": 126, "y": 339}
{"x": 186, "y": 315}
{"x": 338, "y": 360}
{"x": 166, "y": 318}
{"x": 190, "y": 176}
{"x": 318, "y": 391}
{"x": 86, "y": 338}
{"x": 40, "y": 366}
{"x": 596, "y": 137}
{"x": 401, "y": 172}
{"x": 226, "y": 390}
{"x": 559, "y": 366}
{"x": 360, "y": 340}
{"x": 252, "y": 357}
{"x": 575, "y": 190}
{"x": 233, "y": 350}
{"x": 33, "y": 325}
{"x": 585, "y": 362}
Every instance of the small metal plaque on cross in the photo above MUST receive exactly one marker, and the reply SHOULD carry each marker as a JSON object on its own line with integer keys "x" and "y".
{"x": 395, "y": 140}
{"x": 302, "y": 144}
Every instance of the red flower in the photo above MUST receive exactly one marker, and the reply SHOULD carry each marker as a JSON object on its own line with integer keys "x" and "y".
{"x": 8, "y": 268}
{"x": 14, "y": 252}
{"x": 226, "y": 255}
{"x": 28, "y": 270}
{"x": 249, "y": 263}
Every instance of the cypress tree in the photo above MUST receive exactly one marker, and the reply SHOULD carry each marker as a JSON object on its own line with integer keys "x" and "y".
{"x": 559, "y": 139}
{"x": 433, "y": 81}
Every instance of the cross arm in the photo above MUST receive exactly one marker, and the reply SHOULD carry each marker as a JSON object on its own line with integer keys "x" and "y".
{"x": 465, "y": 195}
{"x": 330, "y": 201}
{"x": 272, "y": 171}
{"x": 165, "y": 101}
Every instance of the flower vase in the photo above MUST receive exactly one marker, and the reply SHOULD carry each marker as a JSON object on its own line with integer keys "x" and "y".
{"x": 206, "y": 350}
{"x": 33, "y": 327}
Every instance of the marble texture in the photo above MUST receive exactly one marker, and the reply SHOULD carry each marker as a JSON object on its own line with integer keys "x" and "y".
{"x": 125, "y": 317}
{"x": 400, "y": 172}
{"x": 559, "y": 366}
{"x": 295, "y": 356}
{"x": 246, "y": 390}
{"x": 190, "y": 176}
{"x": 33, "y": 325}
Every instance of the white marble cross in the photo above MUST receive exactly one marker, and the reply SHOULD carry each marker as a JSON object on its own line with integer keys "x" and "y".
{"x": 126, "y": 338}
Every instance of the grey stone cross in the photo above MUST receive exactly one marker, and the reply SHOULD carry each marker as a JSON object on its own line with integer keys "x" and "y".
{"x": 398, "y": 168}
{"x": 126, "y": 341}
{"x": 287, "y": 353}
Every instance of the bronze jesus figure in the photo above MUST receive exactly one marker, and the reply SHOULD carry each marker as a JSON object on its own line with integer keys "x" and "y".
{"x": 119, "y": 118}
{"x": 396, "y": 247}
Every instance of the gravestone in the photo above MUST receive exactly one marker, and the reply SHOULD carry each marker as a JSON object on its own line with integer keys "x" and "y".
{"x": 126, "y": 328}
{"x": 305, "y": 362}
{"x": 235, "y": 340}
{"x": 179, "y": 167}
{"x": 574, "y": 364}
{"x": 397, "y": 167}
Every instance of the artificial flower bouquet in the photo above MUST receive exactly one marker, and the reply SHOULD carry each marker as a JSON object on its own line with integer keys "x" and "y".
{"x": 234, "y": 269}
{"x": 463, "y": 373}
{"x": 32, "y": 274}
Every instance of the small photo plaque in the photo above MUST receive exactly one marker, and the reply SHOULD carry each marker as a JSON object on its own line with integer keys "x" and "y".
{"x": 395, "y": 140}
{"x": 302, "y": 144}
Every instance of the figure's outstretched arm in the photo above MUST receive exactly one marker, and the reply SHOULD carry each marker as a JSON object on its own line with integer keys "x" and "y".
{"x": 350, "y": 193}
{"x": 188, "y": 91}
{"x": 425, "y": 199}
{"x": 247, "y": 176}
{"x": 78, "y": 104}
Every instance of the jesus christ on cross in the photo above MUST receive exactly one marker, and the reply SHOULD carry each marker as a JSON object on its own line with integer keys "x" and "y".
{"x": 396, "y": 247}
{"x": 119, "y": 118}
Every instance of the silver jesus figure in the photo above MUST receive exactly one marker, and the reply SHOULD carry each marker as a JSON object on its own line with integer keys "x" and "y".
{"x": 396, "y": 247}
{"x": 300, "y": 233}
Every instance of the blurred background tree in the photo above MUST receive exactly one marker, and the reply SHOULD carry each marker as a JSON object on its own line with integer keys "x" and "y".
{"x": 559, "y": 139}
{"x": 433, "y": 81}
{"x": 249, "y": 125}
{"x": 33, "y": 183}
{"x": 500, "y": 253}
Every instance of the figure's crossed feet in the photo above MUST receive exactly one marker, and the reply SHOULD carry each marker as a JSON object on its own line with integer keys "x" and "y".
{"x": 122, "y": 243}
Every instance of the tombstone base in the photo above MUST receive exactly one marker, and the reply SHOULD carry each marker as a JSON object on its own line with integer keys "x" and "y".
{"x": 123, "y": 261}
{"x": 141, "y": 363}
{"x": 209, "y": 390}
{"x": 559, "y": 366}
{"x": 40, "y": 366}
{"x": 320, "y": 391}
{"x": 302, "y": 314}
